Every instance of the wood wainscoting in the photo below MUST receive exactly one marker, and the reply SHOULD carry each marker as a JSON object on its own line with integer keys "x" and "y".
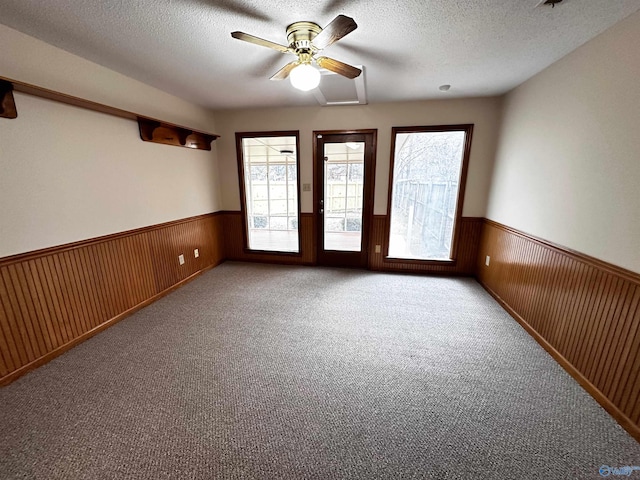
{"x": 583, "y": 311}
{"x": 52, "y": 299}
{"x": 234, "y": 242}
{"x": 466, "y": 256}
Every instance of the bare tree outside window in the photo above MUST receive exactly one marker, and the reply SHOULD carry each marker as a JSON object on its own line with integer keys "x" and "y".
{"x": 427, "y": 168}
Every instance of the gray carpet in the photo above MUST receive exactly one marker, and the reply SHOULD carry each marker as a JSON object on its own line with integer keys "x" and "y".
{"x": 256, "y": 371}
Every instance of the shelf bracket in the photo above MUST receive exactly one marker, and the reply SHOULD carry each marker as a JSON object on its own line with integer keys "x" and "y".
{"x": 167, "y": 134}
{"x": 7, "y": 102}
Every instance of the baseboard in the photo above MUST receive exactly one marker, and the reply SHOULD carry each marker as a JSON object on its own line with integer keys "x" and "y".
{"x": 624, "y": 421}
{"x": 85, "y": 336}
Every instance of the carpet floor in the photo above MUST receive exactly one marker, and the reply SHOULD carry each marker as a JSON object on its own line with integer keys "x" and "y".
{"x": 258, "y": 371}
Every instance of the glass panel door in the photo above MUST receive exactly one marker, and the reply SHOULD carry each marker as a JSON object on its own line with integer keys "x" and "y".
{"x": 344, "y": 169}
{"x": 343, "y": 195}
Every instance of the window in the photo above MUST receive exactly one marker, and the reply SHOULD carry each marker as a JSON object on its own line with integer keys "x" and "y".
{"x": 426, "y": 190}
{"x": 268, "y": 169}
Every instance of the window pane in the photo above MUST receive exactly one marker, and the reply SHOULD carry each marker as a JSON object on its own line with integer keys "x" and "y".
{"x": 277, "y": 192}
{"x": 343, "y": 189}
{"x": 278, "y": 207}
{"x": 277, "y": 173}
{"x": 270, "y": 186}
{"x": 336, "y": 172}
{"x": 424, "y": 193}
{"x": 354, "y": 224}
{"x": 259, "y": 222}
{"x": 292, "y": 173}
{"x": 356, "y": 172}
{"x": 278, "y": 223}
{"x": 260, "y": 207}
{"x": 259, "y": 173}
{"x": 259, "y": 191}
{"x": 334, "y": 224}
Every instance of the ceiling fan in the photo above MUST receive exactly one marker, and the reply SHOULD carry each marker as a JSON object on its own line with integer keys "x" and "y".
{"x": 306, "y": 40}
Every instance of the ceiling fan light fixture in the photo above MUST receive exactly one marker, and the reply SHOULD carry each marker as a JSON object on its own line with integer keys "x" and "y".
{"x": 305, "y": 77}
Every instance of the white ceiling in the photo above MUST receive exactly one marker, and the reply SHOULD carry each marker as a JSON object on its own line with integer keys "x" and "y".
{"x": 408, "y": 48}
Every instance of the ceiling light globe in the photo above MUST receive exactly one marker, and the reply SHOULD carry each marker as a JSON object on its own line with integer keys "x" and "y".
{"x": 304, "y": 77}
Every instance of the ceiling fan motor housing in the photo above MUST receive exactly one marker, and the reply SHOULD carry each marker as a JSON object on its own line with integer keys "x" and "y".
{"x": 301, "y": 34}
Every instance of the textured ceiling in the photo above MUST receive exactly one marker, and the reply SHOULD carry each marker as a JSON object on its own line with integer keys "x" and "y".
{"x": 408, "y": 48}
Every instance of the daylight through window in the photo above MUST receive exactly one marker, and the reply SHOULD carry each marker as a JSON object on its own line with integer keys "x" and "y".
{"x": 271, "y": 193}
{"x": 344, "y": 194}
{"x": 427, "y": 169}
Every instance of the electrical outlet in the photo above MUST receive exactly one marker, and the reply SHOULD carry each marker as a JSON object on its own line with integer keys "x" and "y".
{"x": 487, "y": 260}
{"x": 196, "y": 253}
{"x": 181, "y": 259}
{"x": 378, "y": 249}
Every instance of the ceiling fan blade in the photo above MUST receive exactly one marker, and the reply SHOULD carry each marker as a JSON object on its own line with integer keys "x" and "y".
{"x": 284, "y": 71}
{"x": 259, "y": 41}
{"x": 338, "y": 67}
{"x": 338, "y": 28}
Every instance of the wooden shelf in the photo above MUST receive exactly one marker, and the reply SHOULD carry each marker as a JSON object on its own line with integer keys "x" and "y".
{"x": 151, "y": 129}
{"x": 160, "y": 132}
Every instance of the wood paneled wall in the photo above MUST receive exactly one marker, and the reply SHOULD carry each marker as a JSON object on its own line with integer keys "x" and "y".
{"x": 234, "y": 242}
{"x": 54, "y": 298}
{"x": 466, "y": 258}
{"x": 585, "y": 312}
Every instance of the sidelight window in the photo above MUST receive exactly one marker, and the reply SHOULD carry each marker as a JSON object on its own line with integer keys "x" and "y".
{"x": 426, "y": 191}
{"x": 269, "y": 184}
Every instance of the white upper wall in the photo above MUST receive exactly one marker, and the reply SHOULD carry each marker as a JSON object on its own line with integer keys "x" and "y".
{"x": 568, "y": 165}
{"x": 483, "y": 112}
{"x": 68, "y": 174}
{"x": 33, "y": 61}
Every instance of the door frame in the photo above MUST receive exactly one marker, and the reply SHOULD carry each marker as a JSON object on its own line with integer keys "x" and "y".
{"x": 339, "y": 258}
